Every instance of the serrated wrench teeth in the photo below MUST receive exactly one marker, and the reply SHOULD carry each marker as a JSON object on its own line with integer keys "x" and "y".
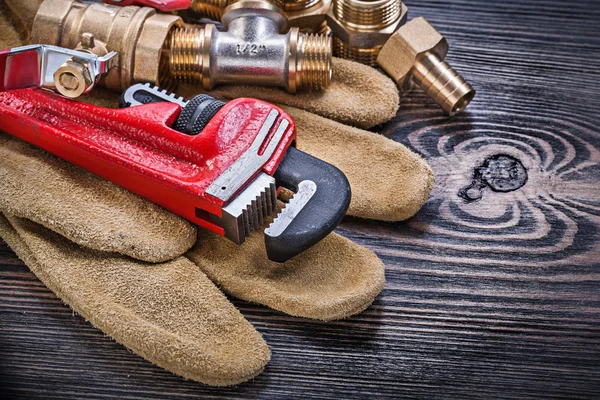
{"x": 306, "y": 190}
{"x": 248, "y": 211}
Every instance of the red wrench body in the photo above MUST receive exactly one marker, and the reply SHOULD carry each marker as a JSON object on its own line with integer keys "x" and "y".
{"x": 136, "y": 149}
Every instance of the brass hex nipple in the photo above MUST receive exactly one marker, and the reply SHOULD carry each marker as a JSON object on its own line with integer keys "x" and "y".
{"x": 416, "y": 53}
{"x": 361, "y": 27}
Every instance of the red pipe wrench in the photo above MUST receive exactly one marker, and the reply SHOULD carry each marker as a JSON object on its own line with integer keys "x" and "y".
{"x": 218, "y": 165}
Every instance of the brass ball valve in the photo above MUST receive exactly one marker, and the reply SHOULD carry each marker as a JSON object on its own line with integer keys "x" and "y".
{"x": 157, "y": 48}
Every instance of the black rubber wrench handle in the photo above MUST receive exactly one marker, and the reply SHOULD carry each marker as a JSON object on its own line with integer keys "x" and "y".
{"x": 322, "y": 198}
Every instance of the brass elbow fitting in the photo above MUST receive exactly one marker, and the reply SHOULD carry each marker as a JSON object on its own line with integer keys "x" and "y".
{"x": 416, "y": 53}
{"x": 157, "y": 48}
{"x": 361, "y": 27}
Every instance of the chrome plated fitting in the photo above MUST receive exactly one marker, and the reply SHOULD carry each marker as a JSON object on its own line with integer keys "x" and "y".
{"x": 251, "y": 51}
{"x": 416, "y": 53}
{"x": 361, "y": 27}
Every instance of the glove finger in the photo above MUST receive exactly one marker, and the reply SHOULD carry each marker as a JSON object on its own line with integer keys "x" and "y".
{"x": 334, "y": 279}
{"x": 86, "y": 209}
{"x": 389, "y": 182}
{"x": 359, "y": 95}
{"x": 171, "y": 314}
{"x": 22, "y": 13}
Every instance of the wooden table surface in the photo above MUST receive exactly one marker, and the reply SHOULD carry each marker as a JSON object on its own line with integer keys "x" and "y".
{"x": 498, "y": 297}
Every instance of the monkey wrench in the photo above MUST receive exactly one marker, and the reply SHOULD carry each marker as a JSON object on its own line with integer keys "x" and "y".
{"x": 221, "y": 169}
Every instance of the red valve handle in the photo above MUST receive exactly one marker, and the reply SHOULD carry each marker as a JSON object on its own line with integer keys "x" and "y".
{"x": 162, "y": 5}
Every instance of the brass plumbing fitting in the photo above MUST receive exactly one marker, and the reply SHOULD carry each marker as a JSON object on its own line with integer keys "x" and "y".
{"x": 308, "y": 15}
{"x": 254, "y": 48}
{"x": 416, "y": 53}
{"x": 137, "y": 34}
{"x": 214, "y": 9}
{"x": 157, "y": 48}
{"x": 361, "y": 27}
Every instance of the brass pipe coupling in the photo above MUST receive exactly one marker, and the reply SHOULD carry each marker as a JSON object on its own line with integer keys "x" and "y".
{"x": 157, "y": 48}
{"x": 361, "y": 27}
{"x": 252, "y": 51}
{"x": 416, "y": 54}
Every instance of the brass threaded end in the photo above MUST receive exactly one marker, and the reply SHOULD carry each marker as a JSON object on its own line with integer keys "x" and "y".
{"x": 297, "y": 5}
{"x": 186, "y": 51}
{"x": 442, "y": 83}
{"x": 165, "y": 78}
{"x": 367, "y": 15}
{"x": 313, "y": 63}
{"x": 212, "y": 9}
{"x": 367, "y": 56}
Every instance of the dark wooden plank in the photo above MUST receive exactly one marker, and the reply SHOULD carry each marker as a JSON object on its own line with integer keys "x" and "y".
{"x": 492, "y": 298}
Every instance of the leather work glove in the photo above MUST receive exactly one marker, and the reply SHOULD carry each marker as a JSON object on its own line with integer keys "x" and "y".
{"x": 153, "y": 282}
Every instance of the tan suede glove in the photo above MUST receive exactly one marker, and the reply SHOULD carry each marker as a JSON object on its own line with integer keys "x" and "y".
{"x": 145, "y": 277}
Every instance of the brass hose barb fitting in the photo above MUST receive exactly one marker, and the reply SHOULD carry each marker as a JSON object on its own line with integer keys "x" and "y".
{"x": 361, "y": 27}
{"x": 416, "y": 53}
{"x": 157, "y": 48}
{"x": 251, "y": 51}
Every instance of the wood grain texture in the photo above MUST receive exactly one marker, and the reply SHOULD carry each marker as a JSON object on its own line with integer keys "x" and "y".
{"x": 497, "y": 298}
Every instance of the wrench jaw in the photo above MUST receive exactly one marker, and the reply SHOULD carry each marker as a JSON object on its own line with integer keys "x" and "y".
{"x": 322, "y": 192}
{"x": 249, "y": 210}
{"x": 322, "y": 197}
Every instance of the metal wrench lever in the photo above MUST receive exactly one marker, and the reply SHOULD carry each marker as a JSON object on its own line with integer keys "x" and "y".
{"x": 69, "y": 72}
